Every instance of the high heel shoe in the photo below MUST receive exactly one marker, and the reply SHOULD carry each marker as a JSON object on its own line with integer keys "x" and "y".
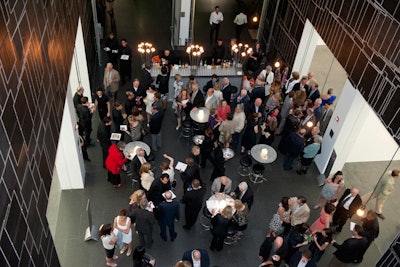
{"x": 177, "y": 127}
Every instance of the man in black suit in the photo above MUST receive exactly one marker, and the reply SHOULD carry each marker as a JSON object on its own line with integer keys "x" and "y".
{"x": 301, "y": 84}
{"x": 257, "y": 92}
{"x": 155, "y": 127}
{"x": 138, "y": 89}
{"x": 103, "y": 137}
{"x": 211, "y": 83}
{"x": 242, "y": 98}
{"x": 158, "y": 187}
{"x": 244, "y": 193}
{"x": 272, "y": 242}
{"x": 146, "y": 76}
{"x": 193, "y": 199}
{"x": 227, "y": 90}
{"x": 192, "y": 172}
{"x": 255, "y": 107}
{"x": 218, "y": 52}
{"x": 168, "y": 213}
{"x": 294, "y": 146}
{"x": 347, "y": 206}
{"x": 137, "y": 162}
{"x": 305, "y": 258}
{"x": 196, "y": 98}
{"x": 370, "y": 228}
{"x": 198, "y": 256}
{"x": 144, "y": 220}
{"x": 314, "y": 92}
{"x": 350, "y": 251}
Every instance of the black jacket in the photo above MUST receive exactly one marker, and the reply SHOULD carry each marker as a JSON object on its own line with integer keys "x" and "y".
{"x": 355, "y": 205}
{"x": 351, "y": 250}
{"x": 155, "y": 122}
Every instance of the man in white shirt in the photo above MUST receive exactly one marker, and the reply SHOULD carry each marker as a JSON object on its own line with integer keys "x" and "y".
{"x": 211, "y": 101}
{"x": 267, "y": 78}
{"x": 240, "y": 20}
{"x": 216, "y": 18}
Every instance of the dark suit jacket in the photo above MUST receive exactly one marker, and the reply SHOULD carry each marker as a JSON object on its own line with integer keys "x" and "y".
{"x": 296, "y": 258}
{"x": 168, "y": 212}
{"x": 146, "y": 79}
{"x": 205, "y": 260}
{"x": 351, "y": 250}
{"x": 156, "y": 190}
{"x": 155, "y": 122}
{"x": 244, "y": 100}
{"x": 198, "y": 101}
{"x": 144, "y": 220}
{"x": 251, "y": 108}
{"x": 266, "y": 247}
{"x": 228, "y": 91}
{"x": 135, "y": 165}
{"x": 258, "y": 92}
{"x": 314, "y": 96}
{"x": 248, "y": 196}
{"x": 104, "y": 134}
{"x": 220, "y": 225}
{"x": 354, "y": 206}
{"x": 194, "y": 199}
{"x": 295, "y": 144}
{"x": 297, "y": 87}
{"x": 208, "y": 85}
{"x": 141, "y": 91}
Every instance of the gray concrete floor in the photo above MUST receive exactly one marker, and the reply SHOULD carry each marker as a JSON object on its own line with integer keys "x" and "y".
{"x": 133, "y": 22}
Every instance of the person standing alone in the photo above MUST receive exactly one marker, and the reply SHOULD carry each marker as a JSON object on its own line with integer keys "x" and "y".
{"x": 216, "y": 18}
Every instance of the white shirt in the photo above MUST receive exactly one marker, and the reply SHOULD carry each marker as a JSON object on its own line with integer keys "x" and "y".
{"x": 240, "y": 19}
{"x": 106, "y": 239}
{"x": 347, "y": 204}
{"x": 290, "y": 84}
{"x": 301, "y": 264}
{"x": 216, "y": 18}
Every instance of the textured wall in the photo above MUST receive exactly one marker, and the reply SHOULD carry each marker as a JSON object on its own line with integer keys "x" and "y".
{"x": 363, "y": 35}
{"x": 36, "y": 48}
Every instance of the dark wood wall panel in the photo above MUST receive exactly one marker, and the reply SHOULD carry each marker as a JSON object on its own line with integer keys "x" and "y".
{"x": 363, "y": 35}
{"x": 36, "y": 48}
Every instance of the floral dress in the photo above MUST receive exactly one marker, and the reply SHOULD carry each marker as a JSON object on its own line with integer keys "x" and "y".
{"x": 276, "y": 222}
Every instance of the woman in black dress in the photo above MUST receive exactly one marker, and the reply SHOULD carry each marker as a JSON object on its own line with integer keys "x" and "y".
{"x": 268, "y": 131}
{"x": 250, "y": 133}
{"x": 321, "y": 240}
{"x": 220, "y": 224}
{"x": 207, "y": 147}
{"x": 219, "y": 163}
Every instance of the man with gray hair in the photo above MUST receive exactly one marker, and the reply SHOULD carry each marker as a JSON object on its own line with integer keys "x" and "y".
{"x": 144, "y": 220}
{"x": 244, "y": 193}
{"x": 227, "y": 90}
{"x": 267, "y": 78}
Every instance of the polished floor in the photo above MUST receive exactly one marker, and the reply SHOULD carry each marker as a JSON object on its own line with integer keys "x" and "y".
{"x": 149, "y": 21}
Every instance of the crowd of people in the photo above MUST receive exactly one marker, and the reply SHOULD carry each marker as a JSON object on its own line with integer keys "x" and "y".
{"x": 268, "y": 103}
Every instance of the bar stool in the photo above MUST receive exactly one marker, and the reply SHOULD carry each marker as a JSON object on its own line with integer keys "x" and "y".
{"x": 257, "y": 175}
{"x": 205, "y": 219}
{"x": 245, "y": 162}
{"x": 231, "y": 237}
{"x": 186, "y": 131}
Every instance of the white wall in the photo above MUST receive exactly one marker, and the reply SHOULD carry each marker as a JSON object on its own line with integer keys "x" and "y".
{"x": 184, "y": 24}
{"x": 359, "y": 135}
{"x": 310, "y": 39}
{"x": 69, "y": 164}
{"x": 79, "y": 75}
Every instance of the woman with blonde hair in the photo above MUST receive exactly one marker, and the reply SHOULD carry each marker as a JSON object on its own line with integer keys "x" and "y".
{"x": 135, "y": 199}
{"x": 135, "y": 129}
{"x": 241, "y": 217}
{"x": 146, "y": 176}
{"x": 220, "y": 224}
